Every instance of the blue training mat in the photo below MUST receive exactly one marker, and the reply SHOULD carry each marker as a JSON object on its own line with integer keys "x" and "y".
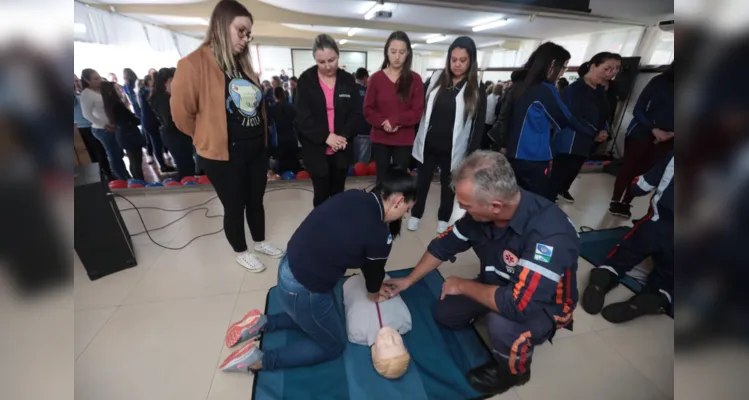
{"x": 440, "y": 358}
{"x": 596, "y": 245}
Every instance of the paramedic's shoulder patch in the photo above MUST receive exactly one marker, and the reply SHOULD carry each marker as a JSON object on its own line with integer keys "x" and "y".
{"x": 543, "y": 253}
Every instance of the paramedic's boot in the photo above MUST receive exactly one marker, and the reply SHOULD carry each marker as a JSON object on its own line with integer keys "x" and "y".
{"x": 495, "y": 378}
{"x": 639, "y": 305}
{"x": 601, "y": 282}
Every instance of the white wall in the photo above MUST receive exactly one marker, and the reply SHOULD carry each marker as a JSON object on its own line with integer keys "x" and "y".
{"x": 273, "y": 59}
{"x": 110, "y": 58}
{"x": 374, "y": 60}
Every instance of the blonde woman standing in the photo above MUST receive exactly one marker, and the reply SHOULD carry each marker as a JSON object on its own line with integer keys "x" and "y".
{"x": 218, "y": 101}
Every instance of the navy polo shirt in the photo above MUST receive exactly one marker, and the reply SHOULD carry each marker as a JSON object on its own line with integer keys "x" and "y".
{"x": 533, "y": 259}
{"x": 341, "y": 233}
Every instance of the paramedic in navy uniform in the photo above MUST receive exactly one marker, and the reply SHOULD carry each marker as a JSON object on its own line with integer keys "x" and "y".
{"x": 527, "y": 286}
{"x": 353, "y": 229}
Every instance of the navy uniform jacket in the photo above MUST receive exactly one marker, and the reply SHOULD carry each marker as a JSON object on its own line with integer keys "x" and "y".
{"x": 654, "y": 108}
{"x": 346, "y": 231}
{"x": 533, "y": 259}
{"x": 660, "y": 178}
{"x": 590, "y": 107}
{"x": 537, "y": 110}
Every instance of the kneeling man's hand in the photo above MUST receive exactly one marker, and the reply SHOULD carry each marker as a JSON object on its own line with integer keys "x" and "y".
{"x": 451, "y": 287}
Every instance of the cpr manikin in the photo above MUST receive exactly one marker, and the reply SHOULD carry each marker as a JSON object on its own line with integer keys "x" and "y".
{"x": 389, "y": 354}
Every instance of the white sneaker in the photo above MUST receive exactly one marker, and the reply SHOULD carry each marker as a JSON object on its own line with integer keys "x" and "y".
{"x": 250, "y": 262}
{"x": 441, "y": 227}
{"x": 413, "y": 224}
{"x": 268, "y": 249}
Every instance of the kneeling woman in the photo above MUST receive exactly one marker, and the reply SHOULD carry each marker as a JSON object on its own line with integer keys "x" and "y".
{"x": 358, "y": 228}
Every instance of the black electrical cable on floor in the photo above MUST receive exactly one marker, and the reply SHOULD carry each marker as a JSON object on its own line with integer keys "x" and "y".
{"x": 191, "y": 210}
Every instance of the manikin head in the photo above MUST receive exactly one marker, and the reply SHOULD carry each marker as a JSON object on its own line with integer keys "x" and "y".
{"x": 389, "y": 354}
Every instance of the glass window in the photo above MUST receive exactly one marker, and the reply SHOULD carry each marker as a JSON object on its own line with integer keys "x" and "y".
{"x": 664, "y": 49}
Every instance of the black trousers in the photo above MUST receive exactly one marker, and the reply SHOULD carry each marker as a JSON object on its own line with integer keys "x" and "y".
{"x": 532, "y": 176}
{"x": 433, "y": 159}
{"x": 384, "y": 156}
{"x": 240, "y": 185}
{"x": 512, "y": 342}
{"x": 648, "y": 238}
{"x": 327, "y": 186}
{"x": 96, "y": 152}
{"x": 129, "y": 138}
{"x": 180, "y": 146}
{"x": 156, "y": 145}
{"x": 563, "y": 172}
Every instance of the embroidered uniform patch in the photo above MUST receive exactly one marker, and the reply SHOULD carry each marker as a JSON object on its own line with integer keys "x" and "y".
{"x": 390, "y": 239}
{"x": 543, "y": 253}
{"x": 510, "y": 259}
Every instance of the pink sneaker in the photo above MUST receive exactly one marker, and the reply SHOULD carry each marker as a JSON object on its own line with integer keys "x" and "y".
{"x": 249, "y": 327}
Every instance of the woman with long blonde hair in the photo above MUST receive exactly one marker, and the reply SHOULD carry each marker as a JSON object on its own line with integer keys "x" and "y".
{"x": 218, "y": 101}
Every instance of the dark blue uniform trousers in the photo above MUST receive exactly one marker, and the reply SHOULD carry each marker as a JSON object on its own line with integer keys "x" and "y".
{"x": 511, "y": 342}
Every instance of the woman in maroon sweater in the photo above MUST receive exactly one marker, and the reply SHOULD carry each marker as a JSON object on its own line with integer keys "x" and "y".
{"x": 393, "y": 105}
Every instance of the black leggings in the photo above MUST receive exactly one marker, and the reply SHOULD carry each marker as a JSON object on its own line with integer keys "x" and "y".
{"x": 240, "y": 185}
{"x": 327, "y": 186}
{"x": 156, "y": 145}
{"x": 434, "y": 159}
{"x": 533, "y": 177}
{"x": 95, "y": 150}
{"x": 382, "y": 154}
{"x": 564, "y": 170}
{"x": 180, "y": 146}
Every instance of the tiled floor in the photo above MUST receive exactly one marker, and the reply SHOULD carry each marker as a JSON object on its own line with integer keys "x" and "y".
{"x": 156, "y": 331}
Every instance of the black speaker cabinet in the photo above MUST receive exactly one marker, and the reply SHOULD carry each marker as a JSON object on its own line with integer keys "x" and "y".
{"x": 101, "y": 238}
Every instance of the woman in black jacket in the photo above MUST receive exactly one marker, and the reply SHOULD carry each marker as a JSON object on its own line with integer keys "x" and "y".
{"x": 127, "y": 134}
{"x": 179, "y": 144}
{"x": 327, "y": 114}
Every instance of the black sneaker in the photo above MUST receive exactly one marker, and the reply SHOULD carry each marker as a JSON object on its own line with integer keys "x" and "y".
{"x": 566, "y": 196}
{"x": 492, "y": 378}
{"x": 620, "y": 209}
{"x": 601, "y": 282}
{"x": 639, "y": 305}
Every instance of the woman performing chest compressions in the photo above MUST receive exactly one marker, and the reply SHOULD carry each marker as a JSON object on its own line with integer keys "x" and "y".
{"x": 354, "y": 229}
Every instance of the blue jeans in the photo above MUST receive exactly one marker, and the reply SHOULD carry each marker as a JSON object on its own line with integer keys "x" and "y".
{"x": 114, "y": 152}
{"x": 312, "y": 313}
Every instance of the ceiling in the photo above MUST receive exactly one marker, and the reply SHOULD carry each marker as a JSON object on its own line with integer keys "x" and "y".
{"x": 296, "y": 22}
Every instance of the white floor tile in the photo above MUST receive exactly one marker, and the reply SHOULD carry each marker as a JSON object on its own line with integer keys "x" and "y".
{"x": 648, "y": 344}
{"x": 88, "y": 323}
{"x": 167, "y": 350}
{"x": 236, "y": 385}
{"x": 585, "y": 367}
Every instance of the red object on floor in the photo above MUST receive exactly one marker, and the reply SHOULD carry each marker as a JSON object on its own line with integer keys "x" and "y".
{"x": 188, "y": 179}
{"x": 173, "y": 183}
{"x": 372, "y": 168}
{"x": 361, "y": 169}
{"x": 118, "y": 184}
{"x": 203, "y": 180}
{"x": 302, "y": 175}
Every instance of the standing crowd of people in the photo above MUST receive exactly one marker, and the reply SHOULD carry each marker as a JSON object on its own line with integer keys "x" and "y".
{"x": 506, "y": 151}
